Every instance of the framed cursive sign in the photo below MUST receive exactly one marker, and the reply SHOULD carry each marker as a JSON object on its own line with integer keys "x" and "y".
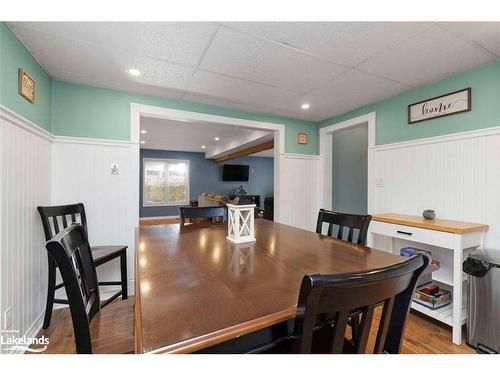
{"x": 444, "y": 105}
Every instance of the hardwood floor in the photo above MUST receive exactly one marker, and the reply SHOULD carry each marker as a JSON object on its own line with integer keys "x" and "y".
{"x": 422, "y": 336}
{"x": 112, "y": 330}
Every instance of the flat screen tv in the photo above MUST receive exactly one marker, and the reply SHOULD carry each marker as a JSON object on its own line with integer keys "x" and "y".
{"x": 231, "y": 172}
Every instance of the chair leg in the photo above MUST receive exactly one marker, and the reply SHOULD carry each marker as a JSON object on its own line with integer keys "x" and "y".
{"x": 355, "y": 326}
{"x": 123, "y": 271}
{"x": 51, "y": 290}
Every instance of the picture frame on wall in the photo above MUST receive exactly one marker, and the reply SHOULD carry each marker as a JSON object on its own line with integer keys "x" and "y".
{"x": 302, "y": 138}
{"x": 26, "y": 86}
{"x": 444, "y": 105}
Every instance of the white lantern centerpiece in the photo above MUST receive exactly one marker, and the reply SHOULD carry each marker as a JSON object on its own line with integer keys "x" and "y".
{"x": 241, "y": 223}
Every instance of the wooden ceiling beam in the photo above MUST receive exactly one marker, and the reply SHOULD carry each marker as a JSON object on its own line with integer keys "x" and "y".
{"x": 268, "y": 145}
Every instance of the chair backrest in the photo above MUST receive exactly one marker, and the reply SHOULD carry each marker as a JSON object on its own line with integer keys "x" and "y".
{"x": 207, "y": 213}
{"x": 337, "y": 296}
{"x": 348, "y": 225}
{"x": 71, "y": 251}
{"x": 57, "y": 218}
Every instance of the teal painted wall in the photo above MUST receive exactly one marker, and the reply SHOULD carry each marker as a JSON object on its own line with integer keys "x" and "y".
{"x": 84, "y": 111}
{"x": 350, "y": 170}
{"x": 13, "y": 56}
{"x": 392, "y": 121}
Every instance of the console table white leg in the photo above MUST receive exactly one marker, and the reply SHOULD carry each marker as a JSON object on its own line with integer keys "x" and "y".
{"x": 457, "y": 289}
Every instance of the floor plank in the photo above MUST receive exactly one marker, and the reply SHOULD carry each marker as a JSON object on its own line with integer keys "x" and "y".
{"x": 422, "y": 336}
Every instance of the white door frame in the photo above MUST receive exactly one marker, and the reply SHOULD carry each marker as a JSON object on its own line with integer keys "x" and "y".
{"x": 325, "y": 152}
{"x": 140, "y": 110}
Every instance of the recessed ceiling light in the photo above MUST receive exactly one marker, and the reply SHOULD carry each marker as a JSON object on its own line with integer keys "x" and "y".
{"x": 134, "y": 72}
{"x": 203, "y": 146}
{"x": 142, "y": 142}
{"x": 144, "y": 131}
{"x": 305, "y": 106}
{"x": 217, "y": 138}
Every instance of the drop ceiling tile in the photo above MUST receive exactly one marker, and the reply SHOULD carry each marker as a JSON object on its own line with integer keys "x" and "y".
{"x": 70, "y": 55}
{"x": 239, "y": 55}
{"x": 347, "y": 43}
{"x": 179, "y": 42}
{"x": 431, "y": 55}
{"x": 189, "y": 136}
{"x": 487, "y": 34}
{"x": 157, "y": 72}
{"x": 129, "y": 86}
{"x": 349, "y": 91}
{"x": 55, "y": 53}
{"x": 306, "y": 116}
{"x": 225, "y": 103}
{"x": 233, "y": 89}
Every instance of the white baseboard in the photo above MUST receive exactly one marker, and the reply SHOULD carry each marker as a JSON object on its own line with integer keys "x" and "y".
{"x": 32, "y": 331}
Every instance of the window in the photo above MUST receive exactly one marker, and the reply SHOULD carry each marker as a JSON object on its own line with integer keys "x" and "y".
{"x": 165, "y": 182}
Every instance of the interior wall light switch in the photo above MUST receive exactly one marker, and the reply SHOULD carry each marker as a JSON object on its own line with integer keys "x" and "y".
{"x": 379, "y": 182}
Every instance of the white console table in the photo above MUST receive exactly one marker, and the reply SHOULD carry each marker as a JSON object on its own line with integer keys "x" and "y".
{"x": 456, "y": 236}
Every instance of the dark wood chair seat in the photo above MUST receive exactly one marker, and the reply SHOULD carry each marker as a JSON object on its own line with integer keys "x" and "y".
{"x": 112, "y": 330}
{"x": 103, "y": 254}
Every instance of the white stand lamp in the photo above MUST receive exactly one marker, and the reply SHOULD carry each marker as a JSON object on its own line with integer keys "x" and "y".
{"x": 241, "y": 223}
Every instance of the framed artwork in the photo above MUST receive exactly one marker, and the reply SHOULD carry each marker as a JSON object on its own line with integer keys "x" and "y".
{"x": 302, "y": 138}
{"x": 27, "y": 85}
{"x": 444, "y": 105}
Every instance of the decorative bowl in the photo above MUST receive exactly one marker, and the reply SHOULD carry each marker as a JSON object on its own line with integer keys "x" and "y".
{"x": 429, "y": 214}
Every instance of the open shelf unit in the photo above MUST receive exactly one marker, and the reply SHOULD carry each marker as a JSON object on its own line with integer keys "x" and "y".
{"x": 445, "y": 313}
{"x": 449, "y": 243}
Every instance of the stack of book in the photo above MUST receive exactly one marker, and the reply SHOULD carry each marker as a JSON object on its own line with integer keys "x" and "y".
{"x": 432, "y": 296}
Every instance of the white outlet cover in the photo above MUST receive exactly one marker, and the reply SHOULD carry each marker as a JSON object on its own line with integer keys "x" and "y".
{"x": 379, "y": 182}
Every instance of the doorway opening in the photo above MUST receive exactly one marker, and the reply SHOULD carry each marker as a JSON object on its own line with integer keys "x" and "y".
{"x": 353, "y": 141}
{"x": 350, "y": 170}
{"x": 182, "y": 156}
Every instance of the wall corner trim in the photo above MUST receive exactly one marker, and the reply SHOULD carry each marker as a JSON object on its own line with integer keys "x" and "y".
{"x": 16, "y": 119}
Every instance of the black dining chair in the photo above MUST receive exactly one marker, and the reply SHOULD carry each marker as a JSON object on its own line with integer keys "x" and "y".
{"x": 56, "y": 218}
{"x": 338, "y": 296}
{"x": 108, "y": 331}
{"x": 347, "y": 227}
{"x": 208, "y": 214}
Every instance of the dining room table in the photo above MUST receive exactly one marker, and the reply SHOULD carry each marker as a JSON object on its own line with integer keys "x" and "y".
{"x": 197, "y": 292}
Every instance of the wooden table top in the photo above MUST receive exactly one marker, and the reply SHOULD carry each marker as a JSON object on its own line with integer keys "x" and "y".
{"x": 451, "y": 226}
{"x": 195, "y": 289}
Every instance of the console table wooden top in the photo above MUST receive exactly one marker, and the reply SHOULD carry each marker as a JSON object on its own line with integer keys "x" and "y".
{"x": 442, "y": 225}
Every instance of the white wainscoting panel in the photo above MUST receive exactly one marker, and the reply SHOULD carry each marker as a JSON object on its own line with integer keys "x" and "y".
{"x": 81, "y": 172}
{"x": 456, "y": 175}
{"x": 24, "y": 184}
{"x": 300, "y": 191}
